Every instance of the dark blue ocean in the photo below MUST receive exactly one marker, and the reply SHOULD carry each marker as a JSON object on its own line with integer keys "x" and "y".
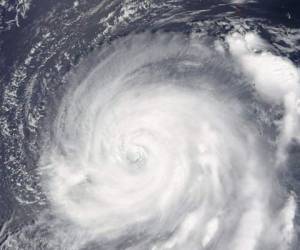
{"x": 56, "y": 56}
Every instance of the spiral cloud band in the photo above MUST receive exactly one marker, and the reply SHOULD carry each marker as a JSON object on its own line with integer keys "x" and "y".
{"x": 159, "y": 146}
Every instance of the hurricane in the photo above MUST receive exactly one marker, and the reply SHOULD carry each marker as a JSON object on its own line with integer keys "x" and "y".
{"x": 162, "y": 145}
{"x": 158, "y": 139}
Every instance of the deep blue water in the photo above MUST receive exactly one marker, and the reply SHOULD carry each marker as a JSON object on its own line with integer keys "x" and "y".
{"x": 52, "y": 37}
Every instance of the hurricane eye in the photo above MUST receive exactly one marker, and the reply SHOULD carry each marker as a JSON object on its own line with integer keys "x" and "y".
{"x": 136, "y": 157}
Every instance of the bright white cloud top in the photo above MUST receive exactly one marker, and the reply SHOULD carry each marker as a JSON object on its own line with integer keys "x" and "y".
{"x": 159, "y": 146}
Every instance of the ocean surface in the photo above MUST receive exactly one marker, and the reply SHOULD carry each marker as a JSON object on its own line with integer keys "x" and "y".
{"x": 149, "y": 124}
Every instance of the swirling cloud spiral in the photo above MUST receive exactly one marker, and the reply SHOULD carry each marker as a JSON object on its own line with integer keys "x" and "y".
{"x": 156, "y": 146}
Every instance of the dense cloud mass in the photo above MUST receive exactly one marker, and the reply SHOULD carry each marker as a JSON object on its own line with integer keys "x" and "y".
{"x": 172, "y": 137}
{"x": 155, "y": 143}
